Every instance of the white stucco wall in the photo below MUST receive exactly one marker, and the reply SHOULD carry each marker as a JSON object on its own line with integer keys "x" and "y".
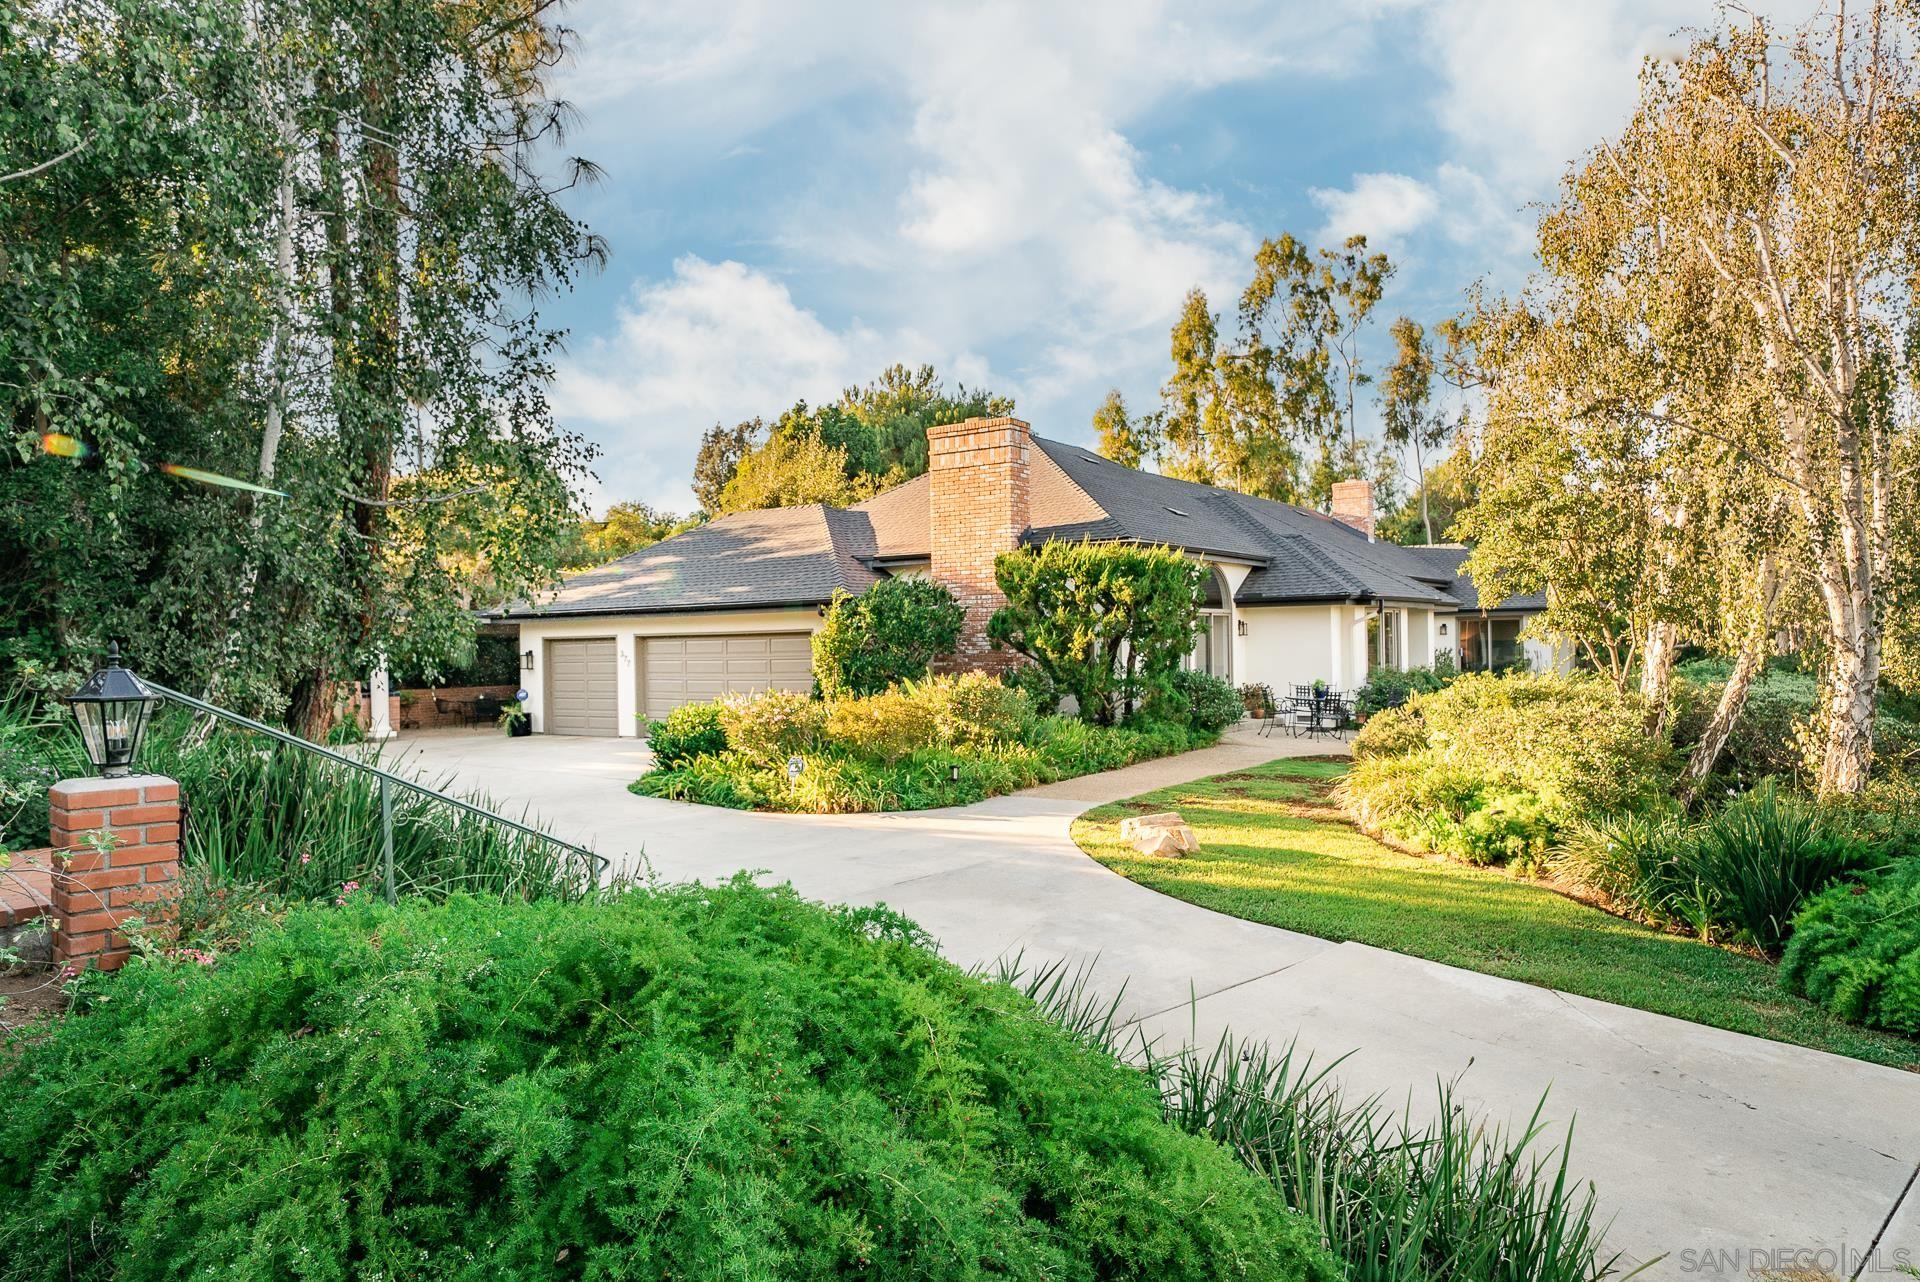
{"x": 1547, "y": 656}
{"x": 1289, "y": 645}
{"x": 625, "y": 629}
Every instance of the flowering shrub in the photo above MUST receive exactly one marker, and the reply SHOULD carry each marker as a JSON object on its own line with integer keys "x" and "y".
{"x": 973, "y": 708}
{"x": 768, "y": 726}
{"x": 886, "y": 726}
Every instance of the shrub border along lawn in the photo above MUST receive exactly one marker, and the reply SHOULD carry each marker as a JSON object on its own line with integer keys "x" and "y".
{"x": 1274, "y": 850}
{"x": 837, "y": 782}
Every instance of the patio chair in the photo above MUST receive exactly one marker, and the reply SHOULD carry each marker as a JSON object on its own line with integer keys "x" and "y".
{"x": 1333, "y": 715}
{"x": 1299, "y": 715}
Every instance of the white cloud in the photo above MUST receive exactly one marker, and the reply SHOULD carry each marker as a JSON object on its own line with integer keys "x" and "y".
{"x": 715, "y": 342}
{"x": 994, "y": 198}
{"x": 974, "y": 181}
{"x": 1528, "y": 86}
{"x": 1382, "y": 207}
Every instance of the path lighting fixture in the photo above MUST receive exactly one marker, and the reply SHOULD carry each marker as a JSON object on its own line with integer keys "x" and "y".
{"x": 953, "y": 774}
{"x": 526, "y": 662}
{"x": 113, "y": 707}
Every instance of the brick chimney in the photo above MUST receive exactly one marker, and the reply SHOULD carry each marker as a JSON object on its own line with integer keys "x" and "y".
{"x": 977, "y": 509}
{"x": 1353, "y": 505}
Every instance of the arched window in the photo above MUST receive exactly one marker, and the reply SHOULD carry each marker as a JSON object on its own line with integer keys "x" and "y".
{"x": 1213, "y": 647}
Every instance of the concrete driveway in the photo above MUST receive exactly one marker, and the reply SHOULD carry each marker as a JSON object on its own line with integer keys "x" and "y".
{"x": 1723, "y": 1152}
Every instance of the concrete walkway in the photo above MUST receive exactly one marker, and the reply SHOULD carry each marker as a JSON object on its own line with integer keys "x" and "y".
{"x": 1723, "y": 1152}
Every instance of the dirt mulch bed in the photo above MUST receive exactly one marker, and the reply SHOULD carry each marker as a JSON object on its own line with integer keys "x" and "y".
{"x": 29, "y": 995}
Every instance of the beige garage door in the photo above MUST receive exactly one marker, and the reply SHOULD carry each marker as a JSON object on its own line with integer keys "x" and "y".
{"x": 690, "y": 669}
{"x": 582, "y": 688}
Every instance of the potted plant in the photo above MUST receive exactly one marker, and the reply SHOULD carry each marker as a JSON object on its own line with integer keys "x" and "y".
{"x": 1257, "y": 698}
{"x": 515, "y": 719}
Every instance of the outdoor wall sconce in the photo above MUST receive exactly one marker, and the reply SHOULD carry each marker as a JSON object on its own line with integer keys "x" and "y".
{"x": 113, "y": 707}
{"x": 1241, "y": 627}
{"x": 526, "y": 662}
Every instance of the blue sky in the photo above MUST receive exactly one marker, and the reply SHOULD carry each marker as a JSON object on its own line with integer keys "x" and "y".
{"x": 799, "y": 195}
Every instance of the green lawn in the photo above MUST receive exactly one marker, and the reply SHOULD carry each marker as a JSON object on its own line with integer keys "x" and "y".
{"x": 1272, "y": 849}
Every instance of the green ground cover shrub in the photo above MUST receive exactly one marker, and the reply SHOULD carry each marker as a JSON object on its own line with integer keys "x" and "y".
{"x": 1201, "y": 700}
{"x": 887, "y": 634}
{"x": 1492, "y": 769}
{"x": 1770, "y": 735}
{"x": 690, "y": 730}
{"x": 1392, "y": 687}
{"x": 278, "y": 818}
{"x": 1856, "y": 949}
{"x": 944, "y": 741}
{"x": 699, "y": 1082}
{"x": 1739, "y": 874}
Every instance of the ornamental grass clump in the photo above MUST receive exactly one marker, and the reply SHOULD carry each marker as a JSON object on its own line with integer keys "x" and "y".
{"x": 1395, "y": 1200}
{"x": 700, "y": 1082}
{"x": 267, "y": 815}
{"x": 1740, "y": 874}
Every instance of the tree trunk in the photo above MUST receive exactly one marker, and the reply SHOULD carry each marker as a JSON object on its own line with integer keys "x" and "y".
{"x": 1656, "y": 673}
{"x": 1420, "y": 466}
{"x": 1852, "y": 681}
{"x": 1733, "y": 696}
{"x": 1733, "y": 701}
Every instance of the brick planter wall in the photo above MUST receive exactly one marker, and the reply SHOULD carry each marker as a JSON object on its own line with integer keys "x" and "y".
{"x": 133, "y": 873}
{"x": 422, "y": 714}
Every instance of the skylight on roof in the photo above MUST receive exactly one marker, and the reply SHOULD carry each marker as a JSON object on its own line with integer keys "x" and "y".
{"x": 1177, "y": 512}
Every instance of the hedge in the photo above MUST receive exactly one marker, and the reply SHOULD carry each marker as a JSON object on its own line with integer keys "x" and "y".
{"x": 699, "y": 1082}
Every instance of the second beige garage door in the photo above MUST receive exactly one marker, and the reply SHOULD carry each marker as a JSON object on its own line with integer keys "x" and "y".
{"x": 582, "y": 688}
{"x": 681, "y": 670}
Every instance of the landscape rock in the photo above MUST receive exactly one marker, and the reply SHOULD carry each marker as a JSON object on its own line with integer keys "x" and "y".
{"x": 1164, "y": 834}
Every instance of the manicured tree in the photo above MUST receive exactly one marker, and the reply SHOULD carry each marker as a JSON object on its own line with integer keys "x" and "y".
{"x": 1108, "y": 622}
{"x": 888, "y": 634}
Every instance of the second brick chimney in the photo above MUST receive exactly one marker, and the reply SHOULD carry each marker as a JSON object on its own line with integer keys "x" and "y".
{"x": 1353, "y": 505}
{"x": 977, "y": 509}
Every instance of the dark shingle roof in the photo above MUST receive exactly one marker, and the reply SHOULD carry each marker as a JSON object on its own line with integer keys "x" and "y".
{"x": 1451, "y": 559}
{"x": 749, "y": 560}
{"x": 798, "y": 556}
{"x": 1300, "y": 555}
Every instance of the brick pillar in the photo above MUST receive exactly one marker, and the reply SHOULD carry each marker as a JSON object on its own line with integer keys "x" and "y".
{"x": 134, "y": 822}
{"x": 977, "y": 509}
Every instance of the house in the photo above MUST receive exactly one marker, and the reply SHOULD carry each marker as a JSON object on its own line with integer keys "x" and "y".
{"x": 1293, "y": 596}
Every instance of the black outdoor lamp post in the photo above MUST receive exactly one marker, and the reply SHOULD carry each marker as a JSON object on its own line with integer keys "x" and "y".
{"x": 112, "y": 708}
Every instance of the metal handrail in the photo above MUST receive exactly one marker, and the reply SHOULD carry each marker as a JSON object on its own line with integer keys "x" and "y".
{"x": 598, "y": 862}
